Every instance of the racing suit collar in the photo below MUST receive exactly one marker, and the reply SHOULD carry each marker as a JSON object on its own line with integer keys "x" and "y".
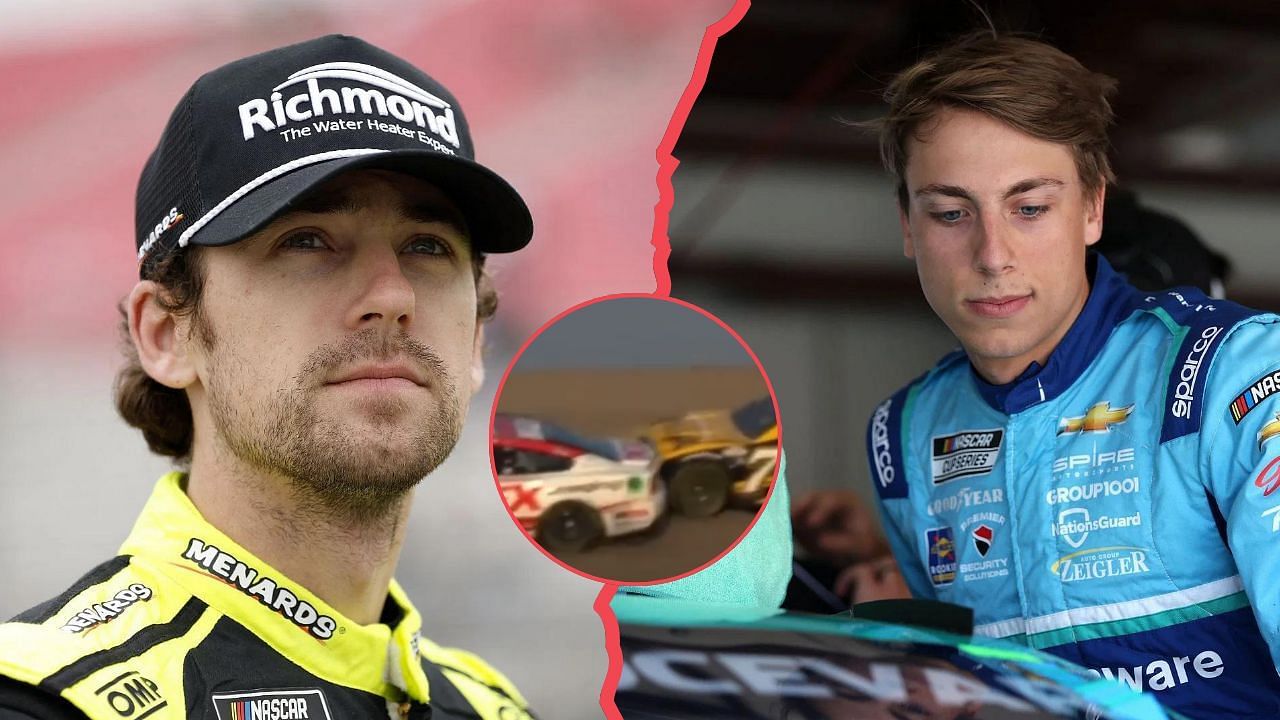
{"x": 1108, "y": 304}
{"x": 173, "y": 538}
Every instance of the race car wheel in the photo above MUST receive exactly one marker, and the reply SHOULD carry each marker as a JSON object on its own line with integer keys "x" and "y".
{"x": 699, "y": 488}
{"x": 569, "y": 527}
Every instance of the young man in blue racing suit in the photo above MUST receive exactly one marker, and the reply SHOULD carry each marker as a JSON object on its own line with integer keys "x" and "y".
{"x": 1094, "y": 473}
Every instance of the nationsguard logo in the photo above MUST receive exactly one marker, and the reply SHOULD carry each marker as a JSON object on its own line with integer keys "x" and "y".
{"x": 104, "y": 612}
{"x": 942, "y": 556}
{"x": 1260, "y": 390}
{"x": 225, "y": 566}
{"x": 1099, "y": 418}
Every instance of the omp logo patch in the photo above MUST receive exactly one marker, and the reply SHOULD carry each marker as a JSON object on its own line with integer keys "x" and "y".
{"x": 104, "y": 612}
{"x": 969, "y": 452}
{"x": 1099, "y": 418}
{"x": 269, "y": 592}
{"x": 271, "y": 705}
{"x": 1260, "y": 390}
{"x": 353, "y": 89}
{"x": 132, "y": 695}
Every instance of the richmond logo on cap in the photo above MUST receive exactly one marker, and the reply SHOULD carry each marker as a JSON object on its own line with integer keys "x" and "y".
{"x": 368, "y": 91}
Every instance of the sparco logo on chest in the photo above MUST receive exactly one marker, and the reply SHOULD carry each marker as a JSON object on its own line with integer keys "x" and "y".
{"x": 267, "y": 591}
{"x": 365, "y": 90}
{"x": 969, "y": 452}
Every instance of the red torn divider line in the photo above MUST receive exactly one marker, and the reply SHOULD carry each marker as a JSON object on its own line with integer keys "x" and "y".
{"x": 612, "y": 647}
{"x": 662, "y": 277}
{"x": 666, "y": 161}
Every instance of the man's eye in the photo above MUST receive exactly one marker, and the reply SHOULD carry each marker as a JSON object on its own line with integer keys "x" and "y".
{"x": 1032, "y": 211}
{"x": 948, "y": 216}
{"x": 429, "y": 246}
{"x": 304, "y": 240}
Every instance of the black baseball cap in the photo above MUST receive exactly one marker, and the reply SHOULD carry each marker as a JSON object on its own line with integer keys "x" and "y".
{"x": 252, "y": 136}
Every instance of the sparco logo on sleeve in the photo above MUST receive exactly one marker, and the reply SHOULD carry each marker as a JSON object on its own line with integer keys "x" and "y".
{"x": 352, "y": 89}
{"x": 272, "y": 705}
{"x": 267, "y": 591}
{"x": 104, "y": 612}
{"x": 1185, "y": 390}
{"x": 970, "y": 452}
{"x": 880, "y": 449}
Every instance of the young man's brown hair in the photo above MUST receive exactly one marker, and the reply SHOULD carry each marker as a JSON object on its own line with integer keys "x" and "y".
{"x": 1026, "y": 83}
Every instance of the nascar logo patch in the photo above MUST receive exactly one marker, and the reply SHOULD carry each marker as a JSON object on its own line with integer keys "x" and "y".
{"x": 306, "y": 704}
{"x": 1260, "y": 390}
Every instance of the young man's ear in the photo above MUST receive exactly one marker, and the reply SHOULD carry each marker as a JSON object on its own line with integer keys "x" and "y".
{"x": 1094, "y": 204}
{"x": 908, "y": 245}
{"x": 159, "y": 338}
{"x": 477, "y": 360}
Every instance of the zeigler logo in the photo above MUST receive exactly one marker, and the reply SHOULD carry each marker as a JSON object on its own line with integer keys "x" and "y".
{"x": 267, "y": 591}
{"x": 383, "y": 94}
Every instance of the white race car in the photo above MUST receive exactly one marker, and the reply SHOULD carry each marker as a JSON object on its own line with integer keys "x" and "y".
{"x": 571, "y": 491}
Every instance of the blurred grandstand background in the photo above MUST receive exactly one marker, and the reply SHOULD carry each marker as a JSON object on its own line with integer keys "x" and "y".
{"x": 569, "y": 105}
{"x": 785, "y": 226}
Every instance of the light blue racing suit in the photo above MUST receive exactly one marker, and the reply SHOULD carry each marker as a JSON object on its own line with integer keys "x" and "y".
{"x": 1117, "y": 506}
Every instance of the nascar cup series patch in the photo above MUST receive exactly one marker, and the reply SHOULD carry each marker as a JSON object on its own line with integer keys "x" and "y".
{"x": 306, "y": 704}
{"x": 969, "y": 452}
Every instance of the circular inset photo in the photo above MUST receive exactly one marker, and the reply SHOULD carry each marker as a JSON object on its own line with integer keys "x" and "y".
{"x": 635, "y": 439}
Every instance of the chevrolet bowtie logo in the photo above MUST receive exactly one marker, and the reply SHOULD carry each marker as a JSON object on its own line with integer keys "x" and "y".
{"x": 1269, "y": 430}
{"x": 1100, "y": 418}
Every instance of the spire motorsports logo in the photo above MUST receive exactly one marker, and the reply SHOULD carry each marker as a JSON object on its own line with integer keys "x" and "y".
{"x": 364, "y": 90}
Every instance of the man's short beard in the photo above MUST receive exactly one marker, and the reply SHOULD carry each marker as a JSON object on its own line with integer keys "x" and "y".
{"x": 332, "y": 473}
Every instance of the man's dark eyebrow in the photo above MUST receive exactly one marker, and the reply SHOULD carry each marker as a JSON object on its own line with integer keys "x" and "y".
{"x": 324, "y": 202}
{"x": 948, "y": 190}
{"x": 1031, "y": 184}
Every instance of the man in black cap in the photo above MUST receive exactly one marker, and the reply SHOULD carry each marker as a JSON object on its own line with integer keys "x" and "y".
{"x": 304, "y": 342}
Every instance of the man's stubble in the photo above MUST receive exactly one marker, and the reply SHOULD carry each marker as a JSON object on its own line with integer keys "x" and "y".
{"x": 331, "y": 471}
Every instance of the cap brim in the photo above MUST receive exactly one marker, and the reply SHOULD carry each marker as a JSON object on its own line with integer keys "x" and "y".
{"x": 497, "y": 218}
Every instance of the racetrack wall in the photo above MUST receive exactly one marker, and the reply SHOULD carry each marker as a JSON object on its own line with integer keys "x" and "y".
{"x": 622, "y": 402}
